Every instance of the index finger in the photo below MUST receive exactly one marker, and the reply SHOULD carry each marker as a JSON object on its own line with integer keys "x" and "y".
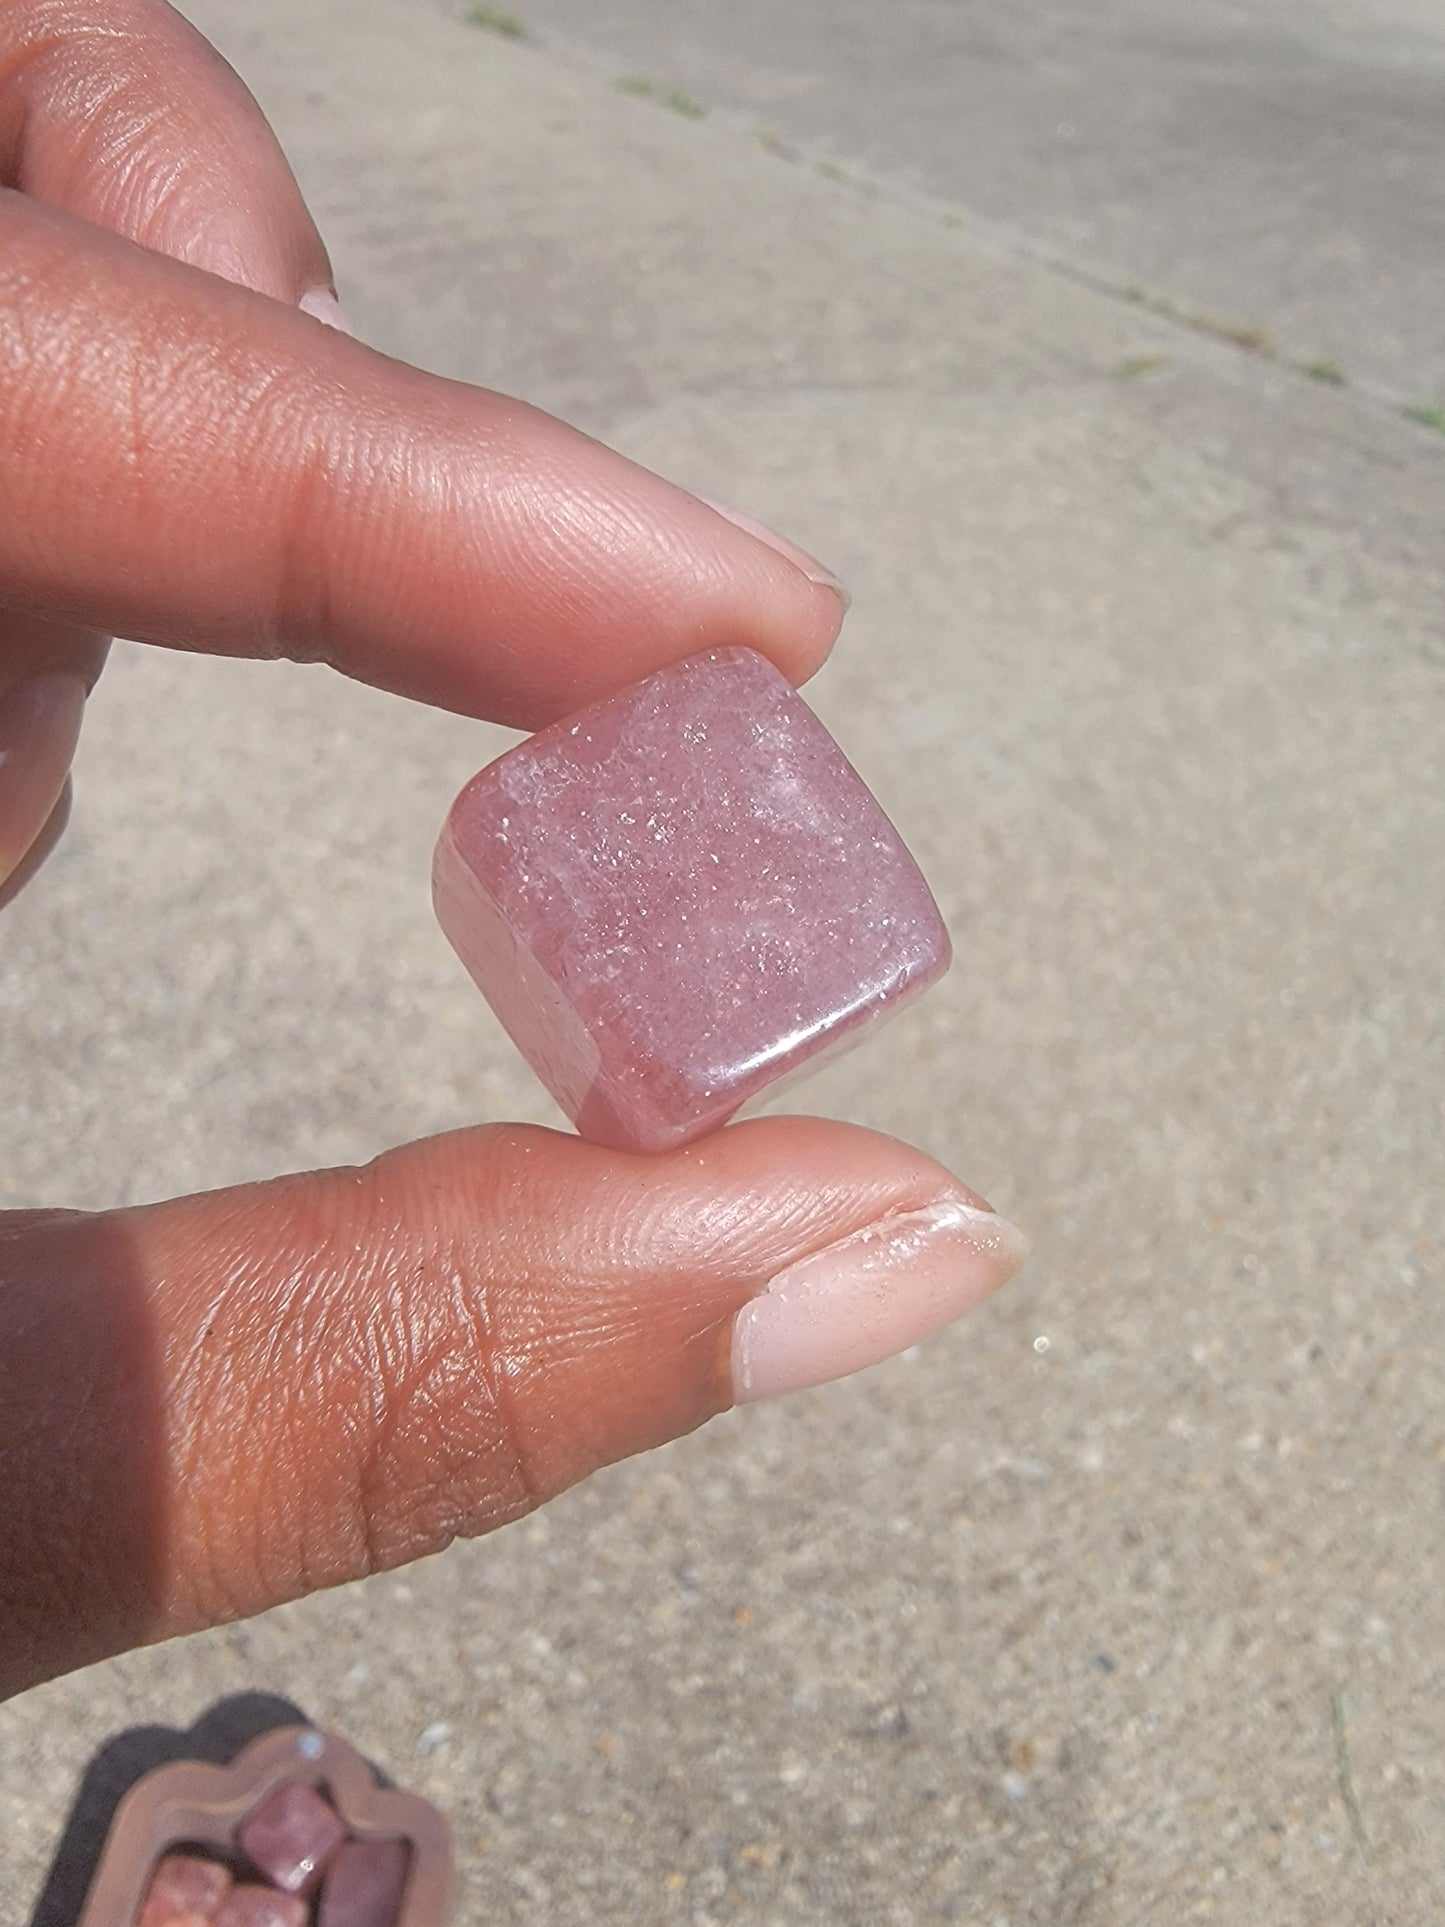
{"x": 187, "y": 462}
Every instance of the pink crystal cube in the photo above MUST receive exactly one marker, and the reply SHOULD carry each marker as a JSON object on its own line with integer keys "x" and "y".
{"x": 262, "y": 1907}
{"x": 185, "y": 1891}
{"x": 680, "y": 895}
{"x": 364, "y": 1885}
{"x": 291, "y": 1836}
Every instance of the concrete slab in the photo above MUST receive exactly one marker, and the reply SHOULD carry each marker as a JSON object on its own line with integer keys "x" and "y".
{"x": 1279, "y": 168}
{"x": 1118, "y": 1602}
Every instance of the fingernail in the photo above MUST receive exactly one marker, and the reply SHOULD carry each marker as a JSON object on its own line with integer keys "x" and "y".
{"x": 40, "y": 722}
{"x": 869, "y": 1296}
{"x": 800, "y": 558}
{"x": 321, "y": 304}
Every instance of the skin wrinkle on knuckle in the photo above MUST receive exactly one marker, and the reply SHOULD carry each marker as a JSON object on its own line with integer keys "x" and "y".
{"x": 380, "y": 502}
{"x": 134, "y": 121}
{"x": 326, "y": 515}
{"x": 33, "y": 36}
{"x": 132, "y": 167}
{"x": 234, "y": 1379}
{"x": 83, "y": 41}
{"x": 362, "y": 1369}
{"x": 155, "y": 169}
{"x": 65, "y": 71}
{"x": 450, "y": 1453}
{"x": 443, "y": 1455}
{"x": 258, "y": 424}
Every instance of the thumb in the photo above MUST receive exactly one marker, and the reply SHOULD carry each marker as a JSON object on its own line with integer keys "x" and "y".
{"x": 211, "y": 1406}
{"x": 184, "y": 461}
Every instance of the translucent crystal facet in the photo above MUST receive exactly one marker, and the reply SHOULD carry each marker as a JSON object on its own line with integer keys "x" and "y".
{"x": 364, "y": 1885}
{"x": 251, "y": 1906}
{"x": 184, "y": 1891}
{"x": 291, "y": 1836}
{"x": 679, "y": 896}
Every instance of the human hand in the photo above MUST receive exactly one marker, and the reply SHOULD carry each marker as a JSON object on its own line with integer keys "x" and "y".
{"x": 214, "y": 1404}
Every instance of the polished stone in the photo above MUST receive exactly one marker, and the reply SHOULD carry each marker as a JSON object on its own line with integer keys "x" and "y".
{"x": 185, "y": 1891}
{"x": 251, "y": 1906}
{"x": 291, "y": 1837}
{"x": 679, "y": 896}
{"x": 364, "y": 1885}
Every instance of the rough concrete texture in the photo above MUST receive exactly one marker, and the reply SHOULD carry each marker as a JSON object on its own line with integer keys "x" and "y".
{"x": 1120, "y": 1601}
{"x": 1276, "y": 166}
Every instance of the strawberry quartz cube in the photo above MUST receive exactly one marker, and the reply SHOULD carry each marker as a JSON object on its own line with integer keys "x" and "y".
{"x": 364, "y": 1885}
{"x": 291, "y": 1836}
{"x": 262, "y": 1907}
{"x": 185, "y": 1891}
{"x": 679, "y": 896}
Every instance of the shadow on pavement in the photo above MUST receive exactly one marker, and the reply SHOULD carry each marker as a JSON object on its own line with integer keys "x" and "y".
{"x": 217, "y": 1736}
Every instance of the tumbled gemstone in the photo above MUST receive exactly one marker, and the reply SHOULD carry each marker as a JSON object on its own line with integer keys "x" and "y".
{"x": 291, "y": 1837}
{"x": 364, "y": 1885}
{"x": 262, "y": 1907}
{"x": 679, "y": 896}
{"x": 185, "y": 1891}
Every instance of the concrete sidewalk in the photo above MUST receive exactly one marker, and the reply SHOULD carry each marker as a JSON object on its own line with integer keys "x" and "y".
{"x": 1119, "y": 1602}
{"x": 1272, "y": 166}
